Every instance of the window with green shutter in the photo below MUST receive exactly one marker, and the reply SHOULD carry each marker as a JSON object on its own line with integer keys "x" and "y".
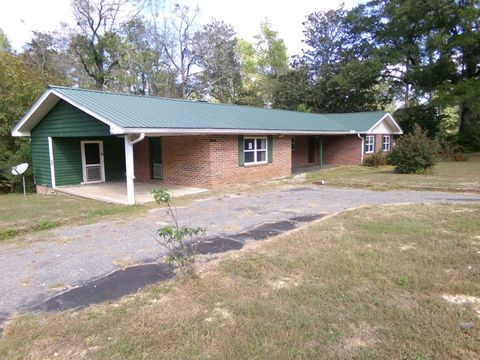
{"x": 255, "y": 150}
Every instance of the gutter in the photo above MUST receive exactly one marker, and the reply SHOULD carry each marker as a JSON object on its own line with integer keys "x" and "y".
{"x": 137, "y": 140}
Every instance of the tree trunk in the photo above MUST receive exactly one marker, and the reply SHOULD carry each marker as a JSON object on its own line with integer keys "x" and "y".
{"x": 466, "y": 118}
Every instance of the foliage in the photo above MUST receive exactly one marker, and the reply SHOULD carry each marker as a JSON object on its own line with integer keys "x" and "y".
{"x": 4, "y": 42}
{"x": 20, "y": 85}
{"x": 176, "y": 41}
{"x": 429, "y": 49}
{"x": 262, "y": 63}
{"x": 180, "y": 241}
{"x": 426, "y": 116}
{"x": 414, "y": 153}
{"x": 97, "y": 41}
{"x": 215, "y": 50}
{"x": 332, "y": 75}
{"x": 470, "y": 139}
{"x": 376, "y": 159}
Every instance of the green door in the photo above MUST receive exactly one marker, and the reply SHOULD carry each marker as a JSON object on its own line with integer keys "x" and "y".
{"x": 156, "y": 158}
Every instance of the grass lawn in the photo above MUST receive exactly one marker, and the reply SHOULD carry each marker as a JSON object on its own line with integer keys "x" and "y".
{"x": 25, "y": 214}
{"x": 447, "y": 176}
{"x": 366, "y": 284}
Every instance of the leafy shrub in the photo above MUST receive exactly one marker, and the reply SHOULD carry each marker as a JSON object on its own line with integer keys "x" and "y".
{"x": 180, "y": 241}
{"x": 414, "y": 153}
{"x": 376, "y": 159}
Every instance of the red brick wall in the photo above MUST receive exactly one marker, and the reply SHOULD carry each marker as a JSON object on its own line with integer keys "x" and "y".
{"x": 141, "y": 158}
{"x": 342, "y": 150}
{"x": 186, "y": 160}
{"x": 210, "y": 161}
{"x": 300, "y": 154}
{"x": 378, "y": 142}
{"x": 226, "y": 171}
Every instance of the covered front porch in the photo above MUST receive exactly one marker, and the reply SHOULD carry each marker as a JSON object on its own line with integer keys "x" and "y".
{"x": 116, "y": 191}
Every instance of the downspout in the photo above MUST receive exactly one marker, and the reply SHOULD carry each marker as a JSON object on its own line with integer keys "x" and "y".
{"x": 361, "y": 149}
{"x": 130, "y": 166}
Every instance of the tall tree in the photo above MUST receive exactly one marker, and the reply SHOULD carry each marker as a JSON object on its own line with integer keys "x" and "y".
{"x": 215, "y": 51}
{"x": 272, "y": 61}
{"x": 4, "y": 42}
{"x": 176, "y": 39}
{"x": 335, "y": 73}
{"x": 97, "y": 39}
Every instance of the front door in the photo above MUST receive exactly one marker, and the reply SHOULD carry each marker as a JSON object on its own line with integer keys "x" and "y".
{"x": 92, "y": 161}
{"x": 311, "y": 149}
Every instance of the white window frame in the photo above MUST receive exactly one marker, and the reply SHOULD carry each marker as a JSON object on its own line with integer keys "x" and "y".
{"x": 386, "y": 142}
{"x": 369, "y": 144}
{"x": 255, "y": 150}
{"x": 84, "y": 165}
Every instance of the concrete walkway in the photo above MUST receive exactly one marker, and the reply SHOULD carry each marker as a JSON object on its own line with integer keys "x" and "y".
{"x": 116, "y": 191}
{"x": 78, "y": 255}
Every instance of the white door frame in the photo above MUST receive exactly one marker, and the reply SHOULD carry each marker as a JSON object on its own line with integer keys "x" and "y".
{"x": 84, "y": 165}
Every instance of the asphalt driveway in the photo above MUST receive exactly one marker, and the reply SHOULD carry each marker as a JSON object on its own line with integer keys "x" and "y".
{"x": 69, "y": 270}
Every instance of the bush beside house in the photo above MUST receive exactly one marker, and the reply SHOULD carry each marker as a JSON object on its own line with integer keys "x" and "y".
{"x": 414, "y": 153}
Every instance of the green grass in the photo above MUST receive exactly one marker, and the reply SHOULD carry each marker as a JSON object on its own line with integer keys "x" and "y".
{"x": 21, "y": 215}
{"x": 364, "y": 284}
{"x": 446, "y": 176}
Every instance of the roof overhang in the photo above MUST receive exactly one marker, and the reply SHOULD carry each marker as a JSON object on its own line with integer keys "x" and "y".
{"x": 44, "y": 104}
{"x": 390, "y": 122}
{"x": 51, "y": 97}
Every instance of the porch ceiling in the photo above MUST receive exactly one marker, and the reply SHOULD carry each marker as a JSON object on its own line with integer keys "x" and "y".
{"x": 116, "y": 192}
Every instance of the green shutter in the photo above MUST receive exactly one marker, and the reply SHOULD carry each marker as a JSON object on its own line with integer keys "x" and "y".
{"x": 270, "y": 148}
{"x": 155, "y": 155}
{"x": 241, "y": 154}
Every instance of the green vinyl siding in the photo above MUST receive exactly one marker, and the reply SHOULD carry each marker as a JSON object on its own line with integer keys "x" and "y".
{"x": 68, "y": 126}
{"x": 41, "y": 160}
{"x": 65, "y": 120}
{"x": 68, "y": 161}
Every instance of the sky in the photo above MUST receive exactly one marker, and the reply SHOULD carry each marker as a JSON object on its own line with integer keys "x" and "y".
{"x": 19, "y": 18}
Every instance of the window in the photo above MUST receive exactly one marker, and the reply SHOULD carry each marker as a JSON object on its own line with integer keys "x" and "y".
{"x": 293, "y": 143}
{"x": 255, "y": 150}
{"x": 369, "y": 144}
{"x": 386, "y": 143}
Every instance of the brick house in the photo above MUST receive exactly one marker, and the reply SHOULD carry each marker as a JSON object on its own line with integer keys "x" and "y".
{"x": 82, "y": 136}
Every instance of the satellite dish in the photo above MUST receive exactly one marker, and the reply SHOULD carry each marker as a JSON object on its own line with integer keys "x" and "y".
{"x": 19, "y": 169}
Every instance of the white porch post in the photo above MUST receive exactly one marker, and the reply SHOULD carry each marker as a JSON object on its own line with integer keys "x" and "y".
{"x": 52, "y": 163}
{"x": 129, "y": 166}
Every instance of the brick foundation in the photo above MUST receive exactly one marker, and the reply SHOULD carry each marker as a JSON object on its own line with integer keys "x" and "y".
{"x": 210, "y": 161}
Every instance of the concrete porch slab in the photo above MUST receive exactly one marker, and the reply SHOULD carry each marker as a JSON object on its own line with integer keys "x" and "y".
{"x": 116, "y": 192}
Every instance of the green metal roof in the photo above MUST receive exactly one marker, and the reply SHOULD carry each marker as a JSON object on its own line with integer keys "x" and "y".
{"x": 134, "y": 114}
{"x": 133, "y": 111}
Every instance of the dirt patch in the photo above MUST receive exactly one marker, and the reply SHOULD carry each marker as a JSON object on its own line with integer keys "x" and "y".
{"x": 219, "y": 314}
{"x": 361, "y": 336}
{"x": 406, "y": 247}
{"x": 284, "y": 283}
{"x": 466, "y": 300}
